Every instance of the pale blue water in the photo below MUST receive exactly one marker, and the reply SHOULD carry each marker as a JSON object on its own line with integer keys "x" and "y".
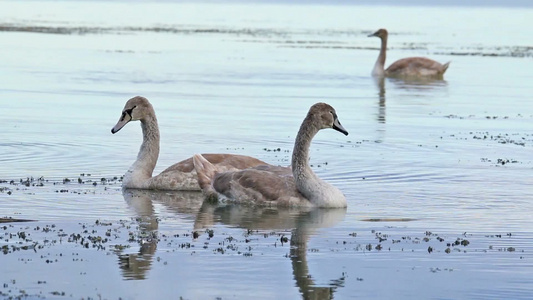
{"x": 445, "y": 159}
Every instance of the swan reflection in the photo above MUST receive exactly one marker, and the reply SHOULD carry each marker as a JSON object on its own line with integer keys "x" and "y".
{"x": 414, "y": 86}
{"x": 186, "y": 204}
{"x": 382, "y": 111}
{"x": 418, "y": 84}
{"x": 191, "y": 207}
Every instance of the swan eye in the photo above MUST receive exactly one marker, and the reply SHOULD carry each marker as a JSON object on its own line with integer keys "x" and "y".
{"x": 130, "y": 111}
{"x": 127, "y": 111}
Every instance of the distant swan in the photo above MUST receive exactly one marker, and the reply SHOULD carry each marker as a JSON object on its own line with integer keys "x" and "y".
{"x": 408, "y": 67}
{"x": 180, "y": 176}
{"x": 271, "y": 185}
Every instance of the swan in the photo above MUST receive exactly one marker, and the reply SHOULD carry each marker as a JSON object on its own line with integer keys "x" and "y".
{"x": 275, "y": 185}
{"x": 180, "y": 176}
{"x": 411, "y": 66}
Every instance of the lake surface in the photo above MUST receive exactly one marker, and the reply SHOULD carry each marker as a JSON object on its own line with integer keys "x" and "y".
{"x": 438, "y": 174}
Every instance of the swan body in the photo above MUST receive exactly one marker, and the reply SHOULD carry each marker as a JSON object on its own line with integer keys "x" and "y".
{"x": 406, "y": 67}
{"x": 274, "y": 185}
{"x": 180, "y": 176}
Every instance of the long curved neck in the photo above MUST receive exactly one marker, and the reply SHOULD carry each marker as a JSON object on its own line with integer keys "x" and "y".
{"x": 318, "y": 192}
{"x": 379, "y": 67}
{"x": 307, "y": 183}
{"x": 139, "y": 174}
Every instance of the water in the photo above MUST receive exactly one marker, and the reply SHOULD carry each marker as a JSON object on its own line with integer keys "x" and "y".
{"x": 446, "y": 160}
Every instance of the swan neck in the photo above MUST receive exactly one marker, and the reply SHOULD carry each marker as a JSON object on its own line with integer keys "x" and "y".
{"x": 304, "y": 176}
{"x": 379, "y": 67}
{"x": 318, "y": 192}
{"x": 142, "y": 169}
{"x": 383, "y": 51}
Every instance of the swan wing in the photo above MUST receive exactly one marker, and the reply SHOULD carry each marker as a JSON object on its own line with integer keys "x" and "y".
{"x": 415, "y": 66}
{"x": 260, "y": 185}
{"x": 223, "y": 162}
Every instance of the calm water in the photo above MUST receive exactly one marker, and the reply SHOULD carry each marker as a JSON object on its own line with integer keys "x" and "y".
{"x": 428, "y": 167}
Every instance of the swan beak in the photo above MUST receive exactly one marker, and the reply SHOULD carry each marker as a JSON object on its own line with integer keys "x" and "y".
{"x": 124, "y": 119}
{"x": 337, "y": 126}
{"x": 373, "y": 34}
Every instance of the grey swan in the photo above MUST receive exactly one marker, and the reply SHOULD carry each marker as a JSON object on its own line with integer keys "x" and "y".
{"x": 180, "y": 176}
{"x": 405, "y": 67}
{"x": 271, "y": 185}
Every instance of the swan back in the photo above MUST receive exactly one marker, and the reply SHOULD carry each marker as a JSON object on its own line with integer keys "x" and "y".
{"x": 261, "y": 185}
{"x": 416, "y": 66}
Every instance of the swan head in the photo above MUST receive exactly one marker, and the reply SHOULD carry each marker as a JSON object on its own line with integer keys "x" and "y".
{"x": 137, "y": 108}
{"x": 382, "y": 33}
{"x": 327, "y": 117}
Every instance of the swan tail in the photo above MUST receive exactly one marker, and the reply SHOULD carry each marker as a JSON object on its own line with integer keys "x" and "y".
{"x": 206, "y": 173}
{"x": 445, "y": 67}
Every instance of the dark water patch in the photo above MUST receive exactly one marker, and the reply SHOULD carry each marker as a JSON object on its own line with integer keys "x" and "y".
{"x": 13, "y": 220}
{"x": 500, "y": 161}
{"x": 394, "y": 240}
{"x": 74, "y": 184}
{"x": 53, "y": 29}
{"x": 506, "y": 52}
{"x": 389, "y": 220}
{"x": 82, "y": 30}
{"x": 512, "y": 51}
{"x": 487, "y": 117}
{"x": 317, "y": 43}
{"x": 5, "y": 189}
{"x": 517, "y": 138}
{"x": 189, "y": 30}
{"x": 513, "y": 147}
{"x": 269, "y": 33}
{"x": 336, "y": 45}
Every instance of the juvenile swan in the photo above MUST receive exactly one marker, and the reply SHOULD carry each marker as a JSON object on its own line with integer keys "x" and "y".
{"x": 180, "y": 176}
{"x": 411, "y": 66}
{"x": 271, "y": 185}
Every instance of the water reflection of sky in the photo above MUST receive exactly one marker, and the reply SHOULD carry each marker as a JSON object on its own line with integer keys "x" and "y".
{"x": 452, "y": 157}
